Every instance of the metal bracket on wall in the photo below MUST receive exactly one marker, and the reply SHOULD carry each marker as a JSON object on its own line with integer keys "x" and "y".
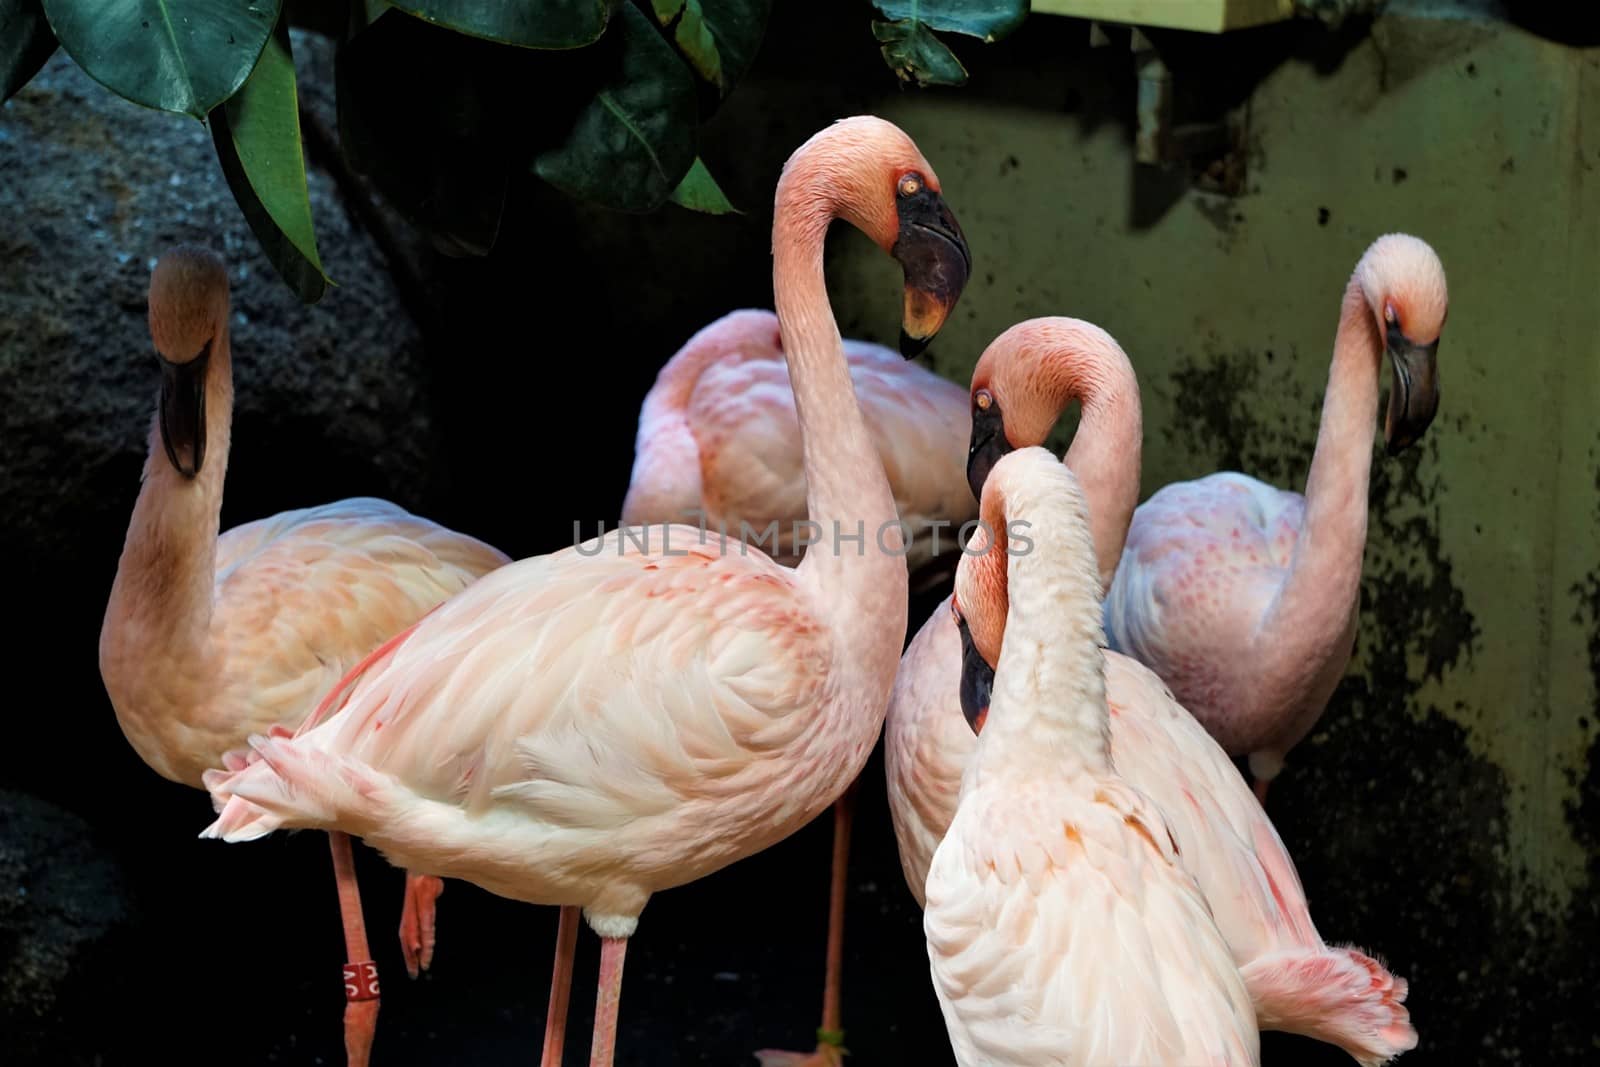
{"x": 1213, "y": 150}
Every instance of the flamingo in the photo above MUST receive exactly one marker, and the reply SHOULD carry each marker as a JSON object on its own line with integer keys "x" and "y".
{"x": 1062, "y": 927}
{"x": 1244, "y": 597}
{"x": 718, "y": 443}
{"x": 590, "y": 727}
{"x": 208, "y": 640}
{"x": 1226, "y": 842}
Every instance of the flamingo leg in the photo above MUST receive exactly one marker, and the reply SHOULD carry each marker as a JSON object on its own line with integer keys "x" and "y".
{"x": 555, "y": 1022}
{"x": 604, "y": 1047}
{"x": 360, "y": 972}
{"x": 1260, "y": 787}
{"x": 830, "y": 1036}
{"x": 417, "y": 921}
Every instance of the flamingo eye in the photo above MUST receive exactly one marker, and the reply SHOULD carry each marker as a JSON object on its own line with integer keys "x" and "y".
{"x": 910, "y": 184}
{"x": 984, "y": 399}
{"x": 1389, "y": 315}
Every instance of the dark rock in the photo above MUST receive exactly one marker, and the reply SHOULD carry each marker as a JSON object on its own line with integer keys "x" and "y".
{"x": 93, "y": 189}
{"x": 61, "y": 901}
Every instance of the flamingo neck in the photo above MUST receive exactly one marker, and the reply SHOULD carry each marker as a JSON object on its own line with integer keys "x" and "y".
{"x": 860, "y": 580}
{"x": 666, "y": 484}
{"x": 1313, "y": 607}
{"x": 162, "y": 597}
{"x": 1048, "y": 709}
{"x": 1105, "y": 452}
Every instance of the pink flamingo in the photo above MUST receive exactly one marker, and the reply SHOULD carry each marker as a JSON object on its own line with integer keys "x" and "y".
{"x": 208, "y": 640}
{"x": 590, "y": 727}
{"x": 1295, "y": 980}
{"x": 1062, "y": 927}
{"x": 1243, "y": 597}
{"x": 719, "y": 443}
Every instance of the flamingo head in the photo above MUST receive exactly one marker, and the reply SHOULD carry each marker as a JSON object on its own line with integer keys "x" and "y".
{"x": 188, "y": 313}
{"x": 881, "y": 184}
{"x": 977, "y": 677}
{"x": 978, "y": 607}
{"x": 1404, "y": 284}
{"x": 1028, "y": 376}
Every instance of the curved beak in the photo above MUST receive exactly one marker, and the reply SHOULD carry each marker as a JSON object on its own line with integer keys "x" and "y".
{"x": 987, "y": 444}
{"x": 977, "y": 681}
{"x": 933, "y": 253}
{"x": 1413, "y": 392}
{"x": 183, "y": 411}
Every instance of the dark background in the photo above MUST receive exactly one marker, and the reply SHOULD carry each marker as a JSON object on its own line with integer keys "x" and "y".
{"x": 499, "y": 396}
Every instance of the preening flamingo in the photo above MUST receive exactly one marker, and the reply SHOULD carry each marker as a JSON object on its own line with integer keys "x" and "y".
{"x": 1243, "y": 597}
{"x": 1062, "y": 927}
{"x": 590, "y": 727}
{"x": 718, "y": 440}
{"x": 1295, "y": 980}
{"x": 208, "y": 640}
{"x": 1035, "y": 369}
{"x": 719, "y": 443}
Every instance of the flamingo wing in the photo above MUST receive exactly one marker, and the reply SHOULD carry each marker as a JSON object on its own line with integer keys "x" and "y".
{"x": 1079, "y": 940}
{"x": 303, "y": 595}
{"x": 1203, "y": 563}
{"x": 743, "y": 418}
{"x": 1224, "y": 837}
{"x": 544, "y": 686}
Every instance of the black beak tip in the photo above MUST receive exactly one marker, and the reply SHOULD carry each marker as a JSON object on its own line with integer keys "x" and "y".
{"x": 912, "y": 347}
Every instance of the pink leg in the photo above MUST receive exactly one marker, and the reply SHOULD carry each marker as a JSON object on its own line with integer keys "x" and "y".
{"x": 555, "y": 1022}
{"x": 830, "y": 1036}
{"x": 604, "y": 1047}
{"x": 360, "y": 972}
{"x": 832, "y": 1024}
{"x": 417, "y": 922}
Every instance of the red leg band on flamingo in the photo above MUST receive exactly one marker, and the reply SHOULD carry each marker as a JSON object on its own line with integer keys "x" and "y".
{"x": 361, "y": 980}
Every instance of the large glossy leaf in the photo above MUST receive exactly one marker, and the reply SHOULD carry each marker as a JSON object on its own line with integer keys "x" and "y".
{"x": 915, "y": 54}
{"x": 633, "y": 143}
{"x": 419, "y": 115}
{"x": 186, "y": 56}
{"x": 25, "y": 43}
{"x": 525, "y": 23}
{"x": 257, "y": 135}
{"x": 989, "y": 20}
{"x": 718, "y": 37}
{"x": 699, "y": 191}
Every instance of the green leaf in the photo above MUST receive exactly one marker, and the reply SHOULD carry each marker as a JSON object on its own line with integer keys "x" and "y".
{"x": 634, "y": 141}
{"x": 25, "y": 43}
{"x": 696, "y": 42}
{"x": 915, "y": 54}
{"x": 186, "y": 56}
{"x": 719, "y": 43}
{"x": 524, "y": 23}
{"x": 257, "y": 135}
{"x": 699, "y": 192}
{"x": 988, "y": 20}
